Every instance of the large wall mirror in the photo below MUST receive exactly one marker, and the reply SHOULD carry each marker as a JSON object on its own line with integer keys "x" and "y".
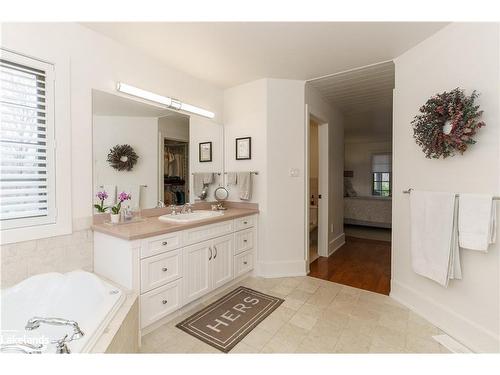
{"x": 173, "y": 153}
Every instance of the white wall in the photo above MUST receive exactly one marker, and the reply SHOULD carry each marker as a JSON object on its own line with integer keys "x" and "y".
{"x": 174, "y": 128}
{"x": 271, "y": 111}
{"x": 467, "y": 309}
{"x": 99, "y": 62}
{"x": 358, "y": 158}
{"x": 204, "y": 130}
{"x": 318, "y": 107}
{"x": 142, "y": 134}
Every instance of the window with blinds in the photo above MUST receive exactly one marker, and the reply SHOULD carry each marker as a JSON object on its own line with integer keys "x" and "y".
{"x": 27, "y": 164}
{"x": 381, "y": 173}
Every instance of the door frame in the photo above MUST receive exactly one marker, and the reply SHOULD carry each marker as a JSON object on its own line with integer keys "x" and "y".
{"x": 323, "y": 184}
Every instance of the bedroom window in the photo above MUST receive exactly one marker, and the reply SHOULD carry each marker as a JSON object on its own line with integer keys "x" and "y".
{"x": 381, "y": 175}
{"x": 27, "y": 142}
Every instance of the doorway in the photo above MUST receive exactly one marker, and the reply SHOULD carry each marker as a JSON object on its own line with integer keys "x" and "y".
{"x": 316, "y": 188}
{"x": 364, "y": 97}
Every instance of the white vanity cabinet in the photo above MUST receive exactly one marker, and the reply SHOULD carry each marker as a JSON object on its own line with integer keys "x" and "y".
{"x": 174, "y": 269}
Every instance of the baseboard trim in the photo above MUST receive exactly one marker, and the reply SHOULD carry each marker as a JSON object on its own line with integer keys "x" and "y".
{"x": 470, "y": 334}
{"x": 281, "y": 269}
{"x": 336, "y": 243}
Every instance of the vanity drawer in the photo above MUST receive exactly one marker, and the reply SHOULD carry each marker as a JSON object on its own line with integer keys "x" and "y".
{"x": 243, "y": 240}
{"x": 159, "y": 244}
{"x": 243, "y": 263}
{"x": 160, "y": 269}
{"x": 244, "y": 222}
{"x": 160, "y": 302}
{"x": 206, "y": 232}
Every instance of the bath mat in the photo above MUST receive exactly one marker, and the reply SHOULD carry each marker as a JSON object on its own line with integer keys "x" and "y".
{"x": 228, "y": 320}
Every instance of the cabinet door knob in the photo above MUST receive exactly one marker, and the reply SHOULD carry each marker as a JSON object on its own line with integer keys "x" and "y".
{"x": 164, "y": 269}
{"x": 164, "y": 301}
{"x": 245, "y": 222}
{"x": 245, "y": 240}
{"x": 164, "y": 243}
{"x": 245, "y": 262}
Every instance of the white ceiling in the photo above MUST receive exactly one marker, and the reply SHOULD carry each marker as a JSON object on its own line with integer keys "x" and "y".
{"x": 364, "y": 96}
{"x": 228, "y": 54}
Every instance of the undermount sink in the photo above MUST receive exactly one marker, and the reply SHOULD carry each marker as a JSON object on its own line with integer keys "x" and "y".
{"x": 190, "y": 216}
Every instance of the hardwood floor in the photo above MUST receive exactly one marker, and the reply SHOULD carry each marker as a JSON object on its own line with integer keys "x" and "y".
{"x": 360, "y": 263}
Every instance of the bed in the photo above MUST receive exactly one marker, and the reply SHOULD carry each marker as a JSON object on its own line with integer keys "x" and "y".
{"x": 368, "y": 211}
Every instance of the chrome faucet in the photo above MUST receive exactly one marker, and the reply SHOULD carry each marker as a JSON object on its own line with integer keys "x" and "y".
{"x": 62, "y": 347}
{"x": 187, "y": 208}
{"x": 21, "y": 348}
{"x": 160, "y": 204}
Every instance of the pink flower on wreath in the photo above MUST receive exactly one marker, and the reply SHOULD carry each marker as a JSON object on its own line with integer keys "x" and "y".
{"x": 124, "y": 196}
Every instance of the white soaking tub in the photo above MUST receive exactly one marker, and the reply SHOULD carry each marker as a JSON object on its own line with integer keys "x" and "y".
{"x": 79, "y": 296}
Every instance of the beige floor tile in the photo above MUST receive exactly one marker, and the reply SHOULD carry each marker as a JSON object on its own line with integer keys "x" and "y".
{"x": 353, "y": 342}
{"x": 311, "y": 310}
{"x": 291, "y": 333}
{"x": 326, "y": 329}
{"x": 317, "y": 316}
{"x": 257, "y": 338}
{"x": 278, "y": 345}
{"x": 303, "y": 321}
{"x": 421, "y": 345}
{"x": 300, "y": 295}
{"x": 315, "y": 344}
{"x": 243, "y": 348}
{"x": 292, "y": 303}
{"x": 389, "y": 337}
{"x": 272, "y": 324}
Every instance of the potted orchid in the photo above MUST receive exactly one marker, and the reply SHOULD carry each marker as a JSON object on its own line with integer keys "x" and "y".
{"x": 102, "y": 196}
{"x": 115, "y": 210}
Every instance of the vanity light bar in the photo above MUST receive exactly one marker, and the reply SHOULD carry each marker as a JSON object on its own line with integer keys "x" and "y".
{"x": 165, "y": 100}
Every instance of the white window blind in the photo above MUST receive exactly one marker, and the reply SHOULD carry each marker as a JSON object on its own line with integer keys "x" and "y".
{"x": 382, "y": 163}
{"x": 27, "y": 148}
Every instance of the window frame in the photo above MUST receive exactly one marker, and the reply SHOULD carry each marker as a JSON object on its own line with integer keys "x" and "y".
{"x": 373, "y": 173}
{"x": 381, "y": 190}
{"x": 51, "y": 216}
{"x": 62, "y": 134}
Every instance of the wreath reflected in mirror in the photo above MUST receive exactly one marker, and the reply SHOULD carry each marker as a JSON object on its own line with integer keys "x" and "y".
{"x": 122, "y": 157}
{"x": 447, "y": 124}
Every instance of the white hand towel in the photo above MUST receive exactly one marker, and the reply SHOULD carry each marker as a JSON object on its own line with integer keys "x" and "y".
{"x": 201, "y": 179}
{"x": 434, "y": 240}
{"x": 476, "y": 221}
{"x": 245, "y": 184}
{"x": 135, "y": 196}
{"x": 232, "y": 178}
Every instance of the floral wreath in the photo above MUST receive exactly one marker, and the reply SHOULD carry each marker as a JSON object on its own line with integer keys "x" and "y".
{"x": 447, "y": 124}
{"x": 122, "y": 157}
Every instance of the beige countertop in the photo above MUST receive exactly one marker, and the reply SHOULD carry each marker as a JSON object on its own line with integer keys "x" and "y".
{"x": 151, "y": 226}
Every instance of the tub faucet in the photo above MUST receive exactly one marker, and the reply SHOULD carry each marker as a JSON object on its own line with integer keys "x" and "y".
{"x": 34, "y": 323}
{"x": 21, "y": 347}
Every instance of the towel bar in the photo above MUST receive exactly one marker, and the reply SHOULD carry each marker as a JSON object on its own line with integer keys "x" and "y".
{"x": 408, "y": 191}
{"x": 252, "y": 172}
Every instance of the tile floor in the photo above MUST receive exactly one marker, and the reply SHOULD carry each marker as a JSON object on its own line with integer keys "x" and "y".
{"x": 317, "y": 316}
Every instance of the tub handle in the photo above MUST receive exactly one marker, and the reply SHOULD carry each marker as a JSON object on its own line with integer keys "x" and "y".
{"x": 164, "y": 301}
{"x": 164, "y": 243}
{"x": 164, "y": 269}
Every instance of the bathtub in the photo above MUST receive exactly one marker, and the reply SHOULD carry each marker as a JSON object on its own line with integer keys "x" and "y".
{"x": 80, "y": 296}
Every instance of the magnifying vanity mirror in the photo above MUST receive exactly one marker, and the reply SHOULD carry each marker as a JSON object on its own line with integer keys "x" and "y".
{"x": 221, "y": 194}
{"x": 150, "y": 153}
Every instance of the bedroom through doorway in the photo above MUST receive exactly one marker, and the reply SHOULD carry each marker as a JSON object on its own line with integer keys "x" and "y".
{"x": 364, "y": 96}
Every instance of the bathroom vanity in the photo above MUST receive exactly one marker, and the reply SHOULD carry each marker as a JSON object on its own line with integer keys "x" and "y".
{"x": 171, "y": 265}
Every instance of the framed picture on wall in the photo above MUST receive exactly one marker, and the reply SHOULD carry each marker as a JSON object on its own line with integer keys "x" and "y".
{"x": 244, "y": 148}
{"x": 205, "y": 152}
